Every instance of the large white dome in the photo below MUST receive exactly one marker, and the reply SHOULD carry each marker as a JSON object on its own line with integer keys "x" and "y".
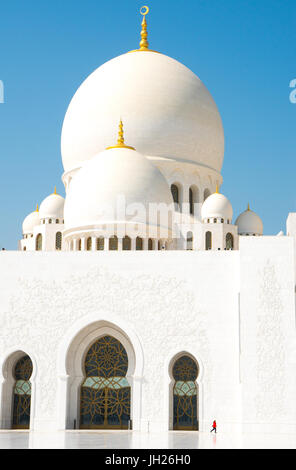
{"x": 167, "y": 111}
{"x": 102, "y": 181}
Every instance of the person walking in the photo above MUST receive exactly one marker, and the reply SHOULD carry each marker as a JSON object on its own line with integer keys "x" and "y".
{"x": 214, "y": 427}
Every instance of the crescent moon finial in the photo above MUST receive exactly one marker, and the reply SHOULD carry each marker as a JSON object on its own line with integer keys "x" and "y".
{"x": 144, "y": 44}
{"x": 144, "y": 10}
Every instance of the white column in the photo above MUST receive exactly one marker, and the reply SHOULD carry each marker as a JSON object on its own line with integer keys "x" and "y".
{"x": 145, "y": 244}
{"x": 93, "y": 243}
{"x": 133, "y": 244}
{"x": 185, "y": 202}
{"x": 83, "y": 244}
{"x": 119, "y": 244}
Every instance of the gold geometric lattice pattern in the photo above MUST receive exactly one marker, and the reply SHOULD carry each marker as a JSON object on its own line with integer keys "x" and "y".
{"x": 105, "y": 392}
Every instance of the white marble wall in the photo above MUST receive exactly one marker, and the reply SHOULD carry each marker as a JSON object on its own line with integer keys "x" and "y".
{"x": 162, "y": 304}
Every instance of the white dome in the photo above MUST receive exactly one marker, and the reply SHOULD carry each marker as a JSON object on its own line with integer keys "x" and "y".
{"x": 217, "y": 206}
{"x": 30, "y": 222}
{"x": 167, "y": 111}
{"x": 52, "y": 207}
{"x": 114, "y": 173}
{"x": 249, "y": 223}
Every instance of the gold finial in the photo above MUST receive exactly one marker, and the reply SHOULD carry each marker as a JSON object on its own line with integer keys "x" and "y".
{"x": 144, "y": 44}
{"x": 217, "y": 189}
{"x": 248, "y": 207}
{"x": 55, "y": 190}
{"x": 37, "y": 209}
{"x": 120, "y": 140}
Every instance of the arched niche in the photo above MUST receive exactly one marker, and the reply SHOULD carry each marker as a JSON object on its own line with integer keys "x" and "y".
{"x": 7, "y": 389}
{"x": 193, "y": 199}
{"x": 172, "y": 385}
{"x": 73, "y": 352}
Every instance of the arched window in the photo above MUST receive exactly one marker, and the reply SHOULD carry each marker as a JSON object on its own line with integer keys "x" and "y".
{"x": 185, "y": 399}
{"x": 105, "y": 393}
{"x": 39, "y": 242}
{"x": 215, "y": 221}
{"x": 22, "y": 393}
{"x": 49, "y": 221}
{"x": 58, "y": 241}
{"x": 175, "y": 193}
{"x": 126, "y": 243}
{"x": 161, "y": 245}
{"x": 208, "y": 240}
{"x": 207, "y": 193}
{"x": 229, "y": 242}
{"x": 191, "y": 202}
{"x": 189, "y": 241}
{"x": 100, "y": 244}
{"x": 193, "y": 199}
{"x": 79, "y": 244}
{"x": 139, "y": 243}
{"x": 113, "y": 243}
{"x": 150, "y": 244}
{"x": 88, "y": 244}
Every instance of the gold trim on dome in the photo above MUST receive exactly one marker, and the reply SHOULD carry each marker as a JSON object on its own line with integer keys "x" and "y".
{"x": 120, "y": 140}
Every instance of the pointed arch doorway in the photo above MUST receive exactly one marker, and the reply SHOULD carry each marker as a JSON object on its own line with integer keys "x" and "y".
{"x": 185, "y": 394}
{"x": 105, "y": 396}
{"x": 22, "y": 393}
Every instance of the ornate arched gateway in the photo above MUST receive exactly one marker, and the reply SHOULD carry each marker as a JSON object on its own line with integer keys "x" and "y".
{"x": 185, "y": 399}
{"x": 105, "y": 398}
{"x": 22, "y": 393}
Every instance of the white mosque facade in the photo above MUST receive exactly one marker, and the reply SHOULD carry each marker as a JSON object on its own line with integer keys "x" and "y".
{"x": 137, "y": 301}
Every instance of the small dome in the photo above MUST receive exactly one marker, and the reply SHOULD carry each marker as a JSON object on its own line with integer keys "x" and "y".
{"x": 30, "y": 222}
{"x": 217, "y": 206}
{"x": 94, "y": 192}
{"x": 52, "y": 207}
{"x": 249, "y": 223}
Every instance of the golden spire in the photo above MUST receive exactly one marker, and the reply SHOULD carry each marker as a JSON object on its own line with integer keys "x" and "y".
{"x": 55, "y": 190}
{"x": 37, "y": 209}
{"x": 144, "y": 44}
{"x": 120, "y": 140}
{"x": 248, "y": 207}
{"x": 217, "y": 188}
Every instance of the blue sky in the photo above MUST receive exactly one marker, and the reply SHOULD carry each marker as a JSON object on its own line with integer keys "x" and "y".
{"x": 243, "y": 51}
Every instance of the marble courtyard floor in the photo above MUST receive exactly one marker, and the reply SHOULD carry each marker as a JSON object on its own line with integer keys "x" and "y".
{"x": 139, "y": 440}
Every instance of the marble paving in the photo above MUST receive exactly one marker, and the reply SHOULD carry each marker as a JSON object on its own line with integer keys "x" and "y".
{"x": 138, "y": 440}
